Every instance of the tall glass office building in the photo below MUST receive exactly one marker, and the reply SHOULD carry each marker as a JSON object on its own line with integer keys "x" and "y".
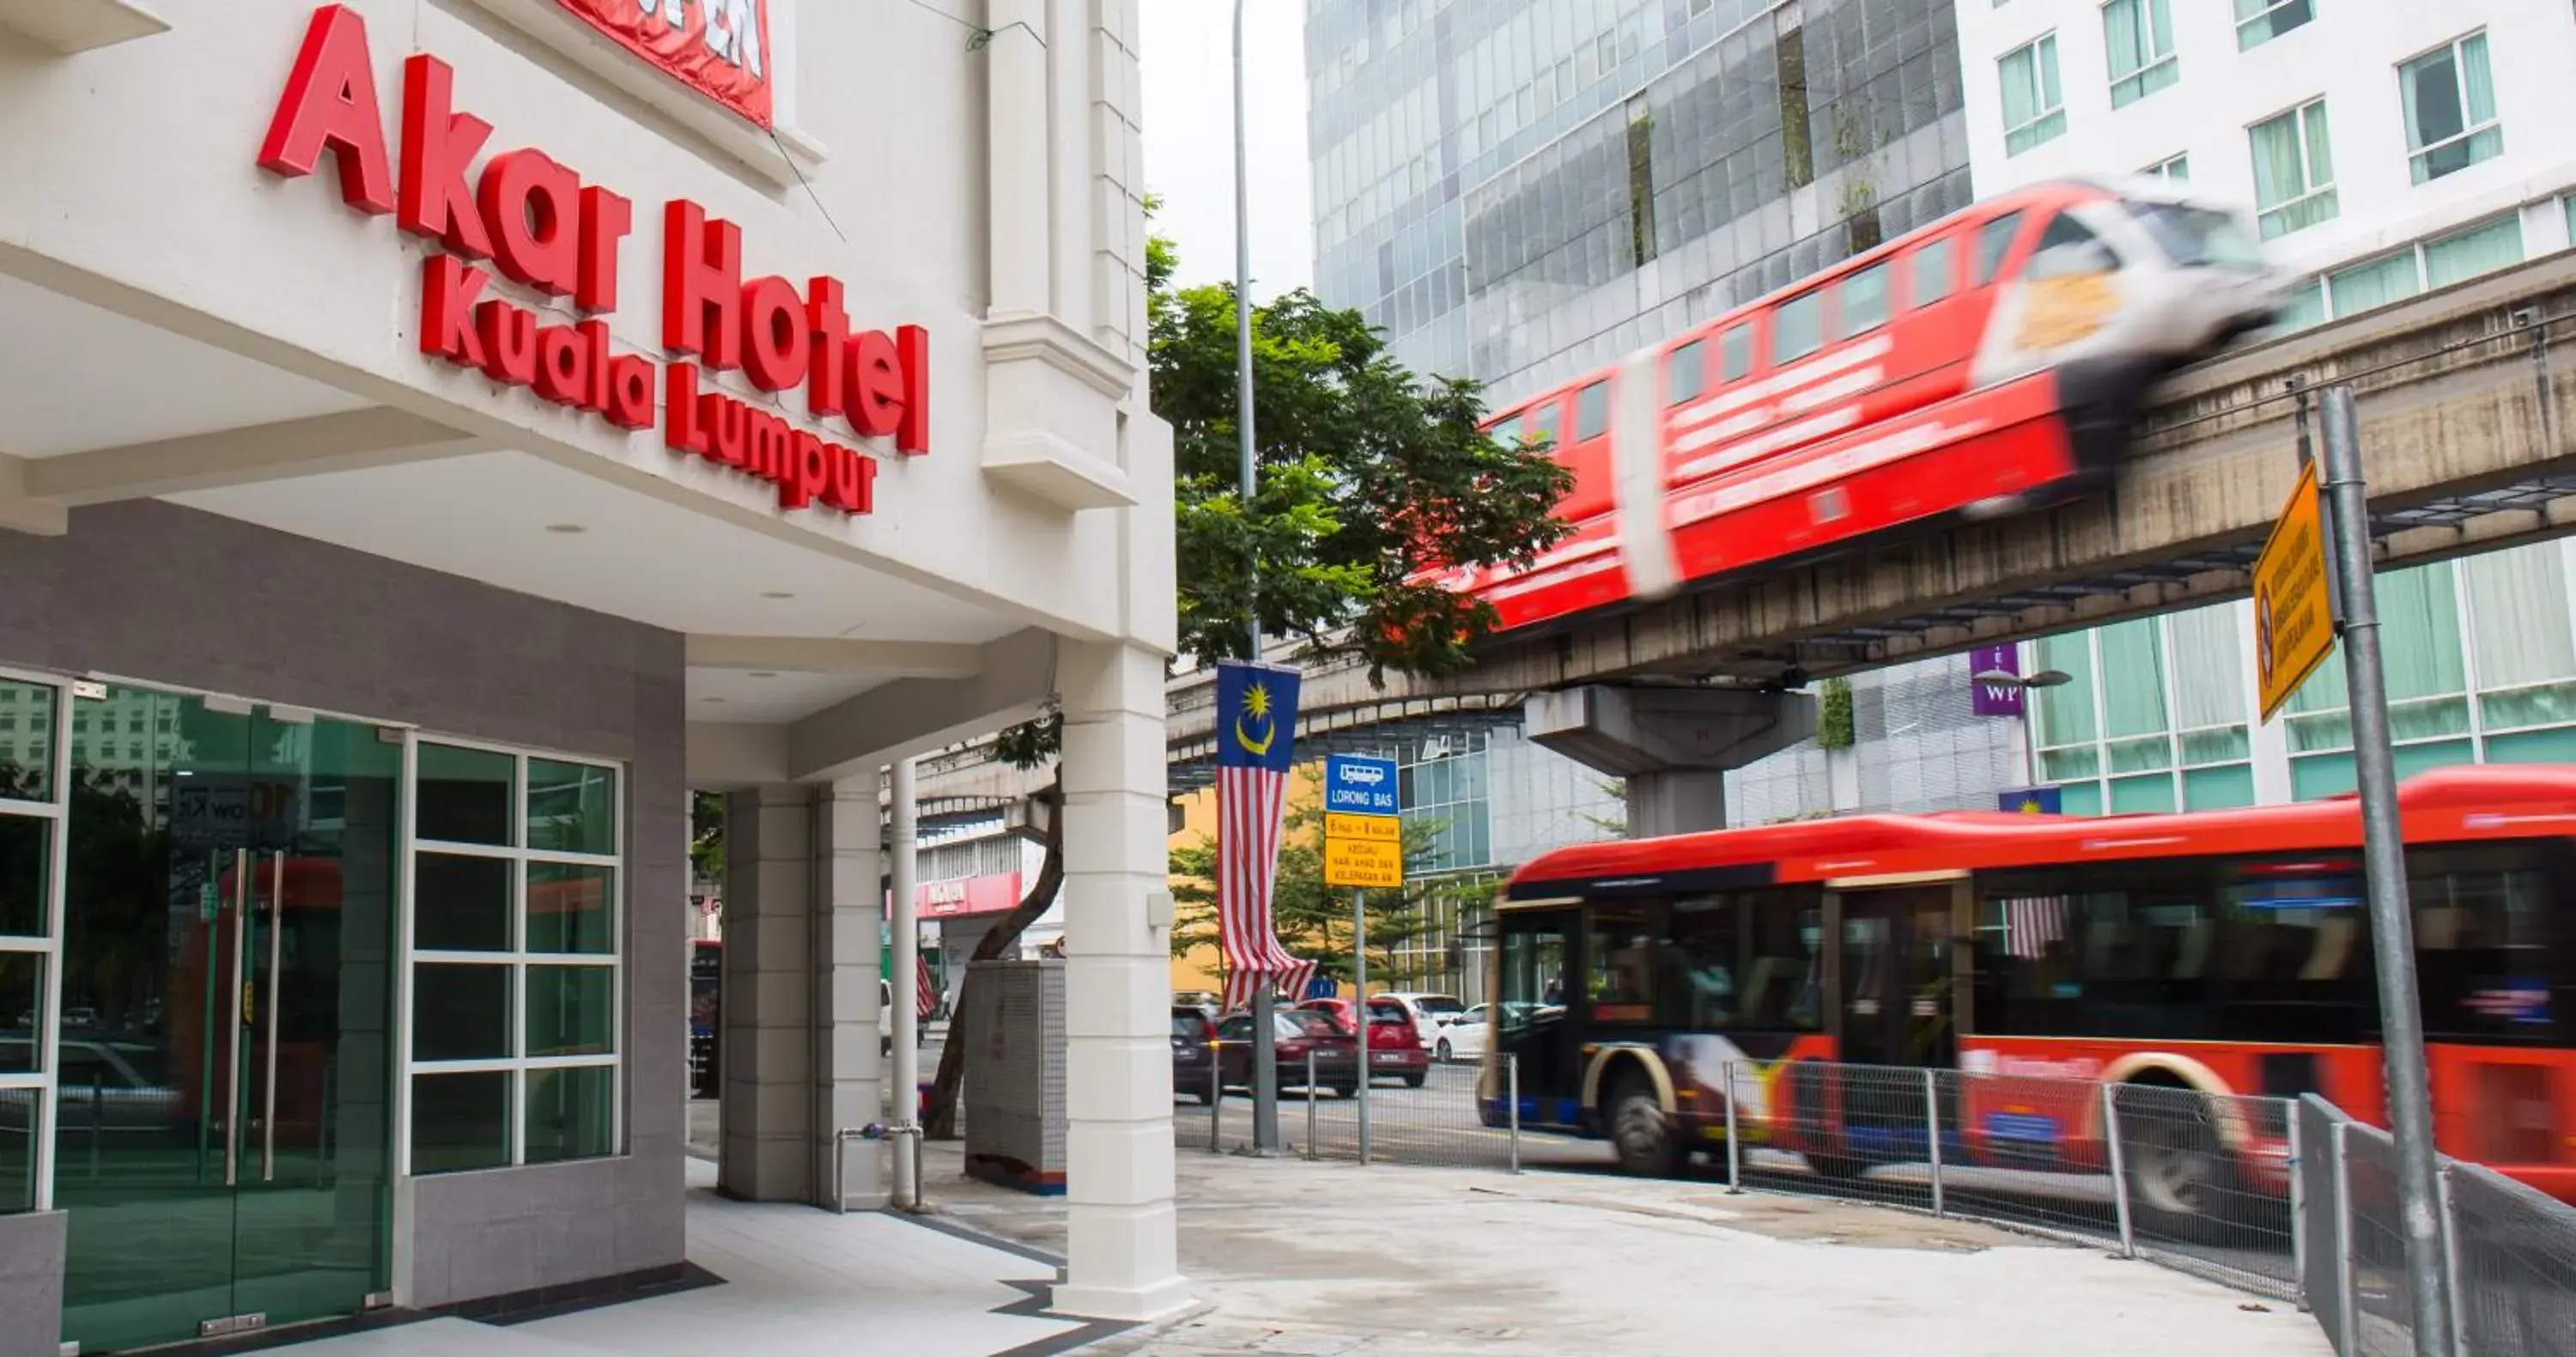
{"x": 1518, "y": 190}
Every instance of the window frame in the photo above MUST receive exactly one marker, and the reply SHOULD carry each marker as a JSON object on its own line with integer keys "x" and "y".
{"x": 47, "y": 946}
{"x": 1815, "y": 295}
{"x": 2246, "y": 21}
{"x": 519, "y": 960}
{"x": 1946, "y": 248}
{"x": 1691, "y": 357}
{"x": 2156, "y": 70}
{"x": 2037, "y": 131}
{"x": 2176, "y": 167}
{"x": 2418, "y": 157}
{"x": 2310, "y": 190}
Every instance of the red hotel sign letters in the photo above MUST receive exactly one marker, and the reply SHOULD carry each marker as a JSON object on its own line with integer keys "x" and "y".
{"x": 967, "y": 895}
{"x": 540, "y": 226}
{"x": 720, "y": 48}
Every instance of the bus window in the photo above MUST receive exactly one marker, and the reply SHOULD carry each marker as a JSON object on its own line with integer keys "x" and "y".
{"x": 1865, "y": 301}
{"x": 1993, "y": 243}
{"x": 1797, "y": 328}
{"x": 1592, "y": 411}
{"x": 1536, "y": 958}
{"x": 1735, "y": 353}
{"x": 1935, "y": 269}
{"x": 1686, "y": 373}
{"x": 1745, "y": 961}
{"x": 2493, "y": 960}
{"x": 1620, "y": 965}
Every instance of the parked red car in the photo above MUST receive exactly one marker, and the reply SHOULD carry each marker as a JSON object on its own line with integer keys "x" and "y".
{"x": 1297, "y": 1032}
{"x": 1395, "y": 1049}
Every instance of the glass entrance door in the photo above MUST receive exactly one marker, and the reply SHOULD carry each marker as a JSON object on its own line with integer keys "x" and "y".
{"x": 223, "y": 1143}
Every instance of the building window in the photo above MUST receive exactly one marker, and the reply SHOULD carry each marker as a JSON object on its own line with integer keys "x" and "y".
{"x": 2378, "y": 282}
{"x": 2293, "y": 171}
{"x": 31, "y": 818}
{"x": 2139, "y": 37}
{"x": 2260, "y": 21}
{"x": 2177, "y": 168}
{"x": 2155, "y": 718}
{"x": 515, "y": 924}
{"x": 2484, "y": 248}
{"x": 2034, "y": 107}
{"x": 1445, "y": 803}
{"x": 2450, "y": 109}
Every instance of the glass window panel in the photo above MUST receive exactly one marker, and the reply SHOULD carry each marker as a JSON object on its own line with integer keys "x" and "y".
{"x": 2138, "y": 35}
{"x": 461, "y": 904}
{"x": 1686, "y": 373}
{"x": 27, "y": 760}
{"x": 1994, "y": 241}
{"x": 2548, "y": 704}
{"x": 2377, "y": 283}
{"x": 2449, "y": 101}
{"x": 466, "y": 795}
{"x": 1864, "y": 301}
{"x": 2534, "y": 746}
{"x": 26, "y": 876}
{"x": 2218, "y": 788}
{"x": 2133, "y": 678}
{"x": 1591, "y": 411}
{"x": 572, "y": 808}
{"x": 22, "y": 989}
{"x": 2420, "y": 612}
{"x": 571, "y": 1113}
{"x": 2139, "y": 755}
{"x": 2321, "y": 775}
{"x": 1735, "y": 353}
{"x": 2518, "y": 608}
{"x": 572, "y": 1010}
{"x": 2080, "y": 798}
{"x": 2208, "y": 667}
{"x": 460, "y": 1121}
{"x": 1797, "y": 328}
{"x": 2293, "y": 170}
{"x": 2260, "y": 21}
{"x": 2305, "y": 306}
{"x": 2480, "y": 249}
{"x": 460, "y": 1012}
{"x": 2151, "y": 794}
{"x": 1935, "y": 271}
{"x": 2066, "y": 711}
{"x": 21, "y": 1110}
{"x": 2076, "y": 761}
{"x": 571, "y": 909}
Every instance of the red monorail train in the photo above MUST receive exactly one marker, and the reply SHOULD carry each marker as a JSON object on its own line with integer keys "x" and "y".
{"x": 1990, "y": 362}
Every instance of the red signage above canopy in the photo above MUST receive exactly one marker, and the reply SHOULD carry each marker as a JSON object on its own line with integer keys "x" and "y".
{"x": 967, "y": 895}
{"x": 719, "y": 48}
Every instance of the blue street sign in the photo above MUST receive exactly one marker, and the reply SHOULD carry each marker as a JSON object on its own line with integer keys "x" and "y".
{"x": 1360, "y": 786}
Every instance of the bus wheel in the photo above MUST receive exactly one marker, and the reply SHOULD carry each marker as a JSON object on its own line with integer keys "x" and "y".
{"x": 2176, "y": 1175}
{"x": 1641, "y": 1134}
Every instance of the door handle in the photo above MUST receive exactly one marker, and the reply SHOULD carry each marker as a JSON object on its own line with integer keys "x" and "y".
{"x": 232, "y": 1029}
{"x": 276, "y": 950}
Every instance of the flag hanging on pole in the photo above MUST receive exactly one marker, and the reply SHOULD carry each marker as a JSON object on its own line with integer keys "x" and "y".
{"x": 1256, "y": 723}
{"x": 925, "y": 992}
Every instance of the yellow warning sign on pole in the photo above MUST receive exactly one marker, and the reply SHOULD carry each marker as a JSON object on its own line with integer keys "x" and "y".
{"x": 2293, "y": 608}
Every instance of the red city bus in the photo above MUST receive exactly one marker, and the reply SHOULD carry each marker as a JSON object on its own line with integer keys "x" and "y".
{"x": 1989, "y": 362}
{"x": 2213, "y": 952}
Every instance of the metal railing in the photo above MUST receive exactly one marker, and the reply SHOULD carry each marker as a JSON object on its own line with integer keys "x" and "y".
{"x": 2295, "y": 1201}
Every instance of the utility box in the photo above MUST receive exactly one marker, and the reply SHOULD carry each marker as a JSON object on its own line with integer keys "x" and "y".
{"x": 1013, "y": 1027}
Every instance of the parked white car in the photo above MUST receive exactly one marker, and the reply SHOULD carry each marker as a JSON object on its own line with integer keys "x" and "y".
{"x": 1461, "y": 1036}
{"x": 1427, "y": 1012}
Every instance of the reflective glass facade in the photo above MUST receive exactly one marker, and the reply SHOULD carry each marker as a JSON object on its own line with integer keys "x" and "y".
{"x": 1518, "y": 190}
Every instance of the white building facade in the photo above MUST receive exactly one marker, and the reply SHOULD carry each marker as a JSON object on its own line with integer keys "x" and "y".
{"x": 435, "y": 436}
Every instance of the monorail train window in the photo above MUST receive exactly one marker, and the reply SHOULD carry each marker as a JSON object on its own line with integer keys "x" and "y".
{"x": 1507, "y": 431}
{"x": 1686, "y": 373}
{"x": 1539, "y": 426}
{"x": 1744, "y": 961}
{"x": 1935, "y": 269}
{"x": 2069, "y": 248}
{"x": 1994, "y": 241}
{"x": 1797, "y": 327}
{"x": 1592, "y": 411}
{"x": 1865, "y": 301}
{"x": 1735, "y": 353}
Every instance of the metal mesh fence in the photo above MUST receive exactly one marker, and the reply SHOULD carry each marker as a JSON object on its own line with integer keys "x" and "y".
{"x": 2381, "y": 1305}
{"x": 2319, "y": 1165}
{"x": 2206, "y": 1182}
{"x": 2513, "y": 1266}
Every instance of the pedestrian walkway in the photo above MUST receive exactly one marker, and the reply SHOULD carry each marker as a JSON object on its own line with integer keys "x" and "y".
{"x": 796, "y": 1282}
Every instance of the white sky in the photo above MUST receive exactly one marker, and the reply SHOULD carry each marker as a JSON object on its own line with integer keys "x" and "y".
{"x": 1188, "y": 83}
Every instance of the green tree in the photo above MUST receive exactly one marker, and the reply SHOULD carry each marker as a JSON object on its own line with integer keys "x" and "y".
{"x": 1371, "y": 480}
{"x": 1313, "y": 920}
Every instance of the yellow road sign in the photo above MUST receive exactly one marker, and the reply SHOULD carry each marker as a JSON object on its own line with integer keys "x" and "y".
{"x": 2293, "y": 609}
{"x": 1363, "y": 862}
{"x": 1341, "y": 826}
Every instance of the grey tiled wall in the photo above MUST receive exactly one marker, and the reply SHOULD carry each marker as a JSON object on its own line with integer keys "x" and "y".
{"x": 31, "y": 1283}
{"x": 160, "y": 593}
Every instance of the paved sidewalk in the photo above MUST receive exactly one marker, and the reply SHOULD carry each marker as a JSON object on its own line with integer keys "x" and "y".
{"x": 1333, "y": 1259}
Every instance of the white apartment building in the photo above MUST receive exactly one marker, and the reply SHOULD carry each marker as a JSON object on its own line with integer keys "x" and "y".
{"x": 2386, "y": 146}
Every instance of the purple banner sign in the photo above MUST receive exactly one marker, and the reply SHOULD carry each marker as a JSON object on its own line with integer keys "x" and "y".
{"x": 1995, "y": 699}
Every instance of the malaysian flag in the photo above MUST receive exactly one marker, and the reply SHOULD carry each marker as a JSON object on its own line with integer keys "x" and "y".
{"x": 2032, "y": 923}
{"x": 1256, "y": 723}
{"x": 925, "y": 993}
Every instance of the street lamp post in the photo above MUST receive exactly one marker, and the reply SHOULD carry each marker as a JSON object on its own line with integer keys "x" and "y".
{"x": 1265, "y": 1052}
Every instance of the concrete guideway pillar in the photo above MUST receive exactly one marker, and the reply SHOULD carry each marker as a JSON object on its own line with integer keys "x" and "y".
{"x": 1122, "y": 1255}
{"x": 1672, "y": 745}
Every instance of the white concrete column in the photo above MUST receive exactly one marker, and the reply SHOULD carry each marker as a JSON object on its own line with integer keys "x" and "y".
{"x": 849, "y": 1069}
{"x": 1020, "y": 167}
{"x": 904, "y": 928}
{"x": 1122, "y": 1260}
